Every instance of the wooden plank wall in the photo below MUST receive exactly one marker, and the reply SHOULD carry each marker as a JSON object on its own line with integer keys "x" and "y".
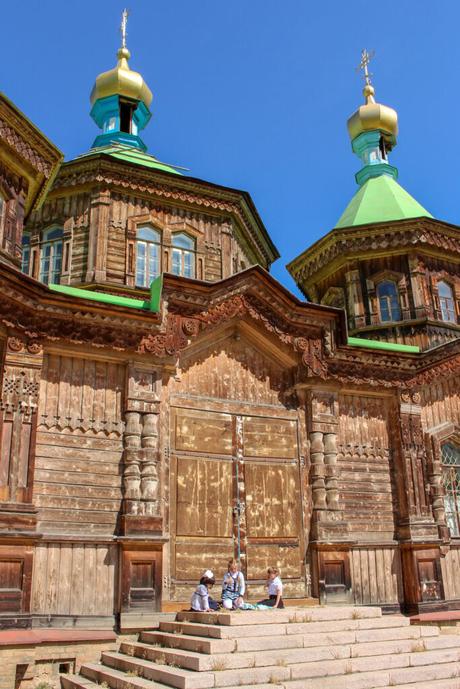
{"x": 74, "y": 579}
{"x": 376, "y": 575}
{"x": 79, "y": 446}
{"x": 231, "y": 370}
{"x": 364, "y": 466}
{"x": 441, "y": 402}
{"x": 450, "y": 566}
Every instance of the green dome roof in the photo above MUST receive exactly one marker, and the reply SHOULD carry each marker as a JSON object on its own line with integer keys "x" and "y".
{"x": 134, "y": 156}
{"x": 380, "y": 199}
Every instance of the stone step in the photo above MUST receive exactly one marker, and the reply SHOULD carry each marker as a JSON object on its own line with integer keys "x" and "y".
{"x": 251, "y": 617}
{"x": 277, "y": 629}
{"x": 189, "y": 660}
{"x": 375, "y": 648}
{"x": 171, "y": 676}
{"x": 443, "y": 674}
{"x": 115, "y": 679}
{"x": 78, "y": 682}
{"x": 189, "y": 642}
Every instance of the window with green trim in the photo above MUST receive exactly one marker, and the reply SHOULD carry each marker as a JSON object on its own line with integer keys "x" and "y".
{"x": 451, "y": 483}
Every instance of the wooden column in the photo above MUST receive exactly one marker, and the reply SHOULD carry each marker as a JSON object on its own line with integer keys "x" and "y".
{"x": 19, "y": 401}
{"x": 329, "y": 538}
{"x": 22, "y": 366}
{"x": 98, "y": 236}
{"x": 142, "y": 511}
{"x": 417, "y": 529}
{"x": 356, "y": 311}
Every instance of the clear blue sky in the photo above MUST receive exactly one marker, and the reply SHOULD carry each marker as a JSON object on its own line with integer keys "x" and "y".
{"x": 255, "y": 94}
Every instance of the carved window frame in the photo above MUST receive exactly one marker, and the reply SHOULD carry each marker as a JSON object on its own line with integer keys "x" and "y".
{"x": 148, "y": 244}
{"x": 55, "y": 258}
{"x": 442, "y": 305}
{"x": 451, "y": 482}
{"x": 184, "y": 254}
{"x": 400, "y": 283}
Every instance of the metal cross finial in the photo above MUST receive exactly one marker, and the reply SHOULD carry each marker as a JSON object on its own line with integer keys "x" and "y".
{"x": 365, "y": 59}
{"x": 123, "y": 27}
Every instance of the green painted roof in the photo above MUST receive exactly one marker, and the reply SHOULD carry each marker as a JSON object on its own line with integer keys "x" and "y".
{"x": 152, "y": 304}
{"x": 134, "y": 156}
{"x": 378, "y": 344}
{"x": 378, "y": 200}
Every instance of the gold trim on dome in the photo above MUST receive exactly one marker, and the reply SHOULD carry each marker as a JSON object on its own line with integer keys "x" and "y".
{"x": 122, "y": 81}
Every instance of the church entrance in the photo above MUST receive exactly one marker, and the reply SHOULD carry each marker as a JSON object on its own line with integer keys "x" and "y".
{"x": 235, "y": 492}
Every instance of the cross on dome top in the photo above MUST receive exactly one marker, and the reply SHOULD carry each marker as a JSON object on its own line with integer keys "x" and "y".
{"x": 124, "y": 26}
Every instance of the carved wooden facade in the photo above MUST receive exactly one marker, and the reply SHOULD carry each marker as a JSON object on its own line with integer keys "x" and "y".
{"x": 139, "y": 448}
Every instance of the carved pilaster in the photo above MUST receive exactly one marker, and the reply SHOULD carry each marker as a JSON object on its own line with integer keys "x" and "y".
{"x": 355, "y": 302}
{"x": 142, "y": 470}
{"x": 322, "y": 419}
{"x": 18, "y": 410}
{"x": 415, "y": 518}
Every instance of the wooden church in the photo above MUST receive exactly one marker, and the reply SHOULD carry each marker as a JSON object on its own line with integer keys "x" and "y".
{"x": 166, "y": 404}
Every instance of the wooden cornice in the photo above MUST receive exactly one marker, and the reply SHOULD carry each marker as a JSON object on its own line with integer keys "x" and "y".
{"x": 340, "y": 246}
{"x": 170, "y": 190}
{"x": 27, "y": 152}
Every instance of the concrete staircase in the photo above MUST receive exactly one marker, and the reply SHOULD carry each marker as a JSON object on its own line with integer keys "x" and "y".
{"x": 308, "y": 648}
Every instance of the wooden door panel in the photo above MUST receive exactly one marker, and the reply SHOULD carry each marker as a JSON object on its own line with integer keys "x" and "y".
{"x": 265, "y": 437}
{"x": 192, "y": 559}
{"x": 262, "y": 556}
{"x": 272, "y": 500}
{"x": 202, "y": 431}
{"x": 204, "y": 497}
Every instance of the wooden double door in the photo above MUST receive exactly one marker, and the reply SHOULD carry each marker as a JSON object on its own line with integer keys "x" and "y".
{"x": 236, "y": 491}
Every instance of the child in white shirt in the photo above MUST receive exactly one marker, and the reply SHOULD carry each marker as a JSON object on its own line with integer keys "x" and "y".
{"x": 275, "y": 589}
{"x": 200, "y": 597}
{"x": 233, "y": 587}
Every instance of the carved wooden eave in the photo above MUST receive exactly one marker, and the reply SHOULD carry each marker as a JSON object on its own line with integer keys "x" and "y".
{"x": 314, "y": 334}
{"x": 171, "y": 190}
{"x": 27, "y": 153}
{"x": 427, "y": 235}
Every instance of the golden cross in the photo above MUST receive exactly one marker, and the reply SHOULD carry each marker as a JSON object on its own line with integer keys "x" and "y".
{"x": 365, "y": 59}
{"x": 123, "y": 27}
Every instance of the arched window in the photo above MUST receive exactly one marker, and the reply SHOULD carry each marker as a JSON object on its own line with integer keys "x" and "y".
{"x": 51, "y": 256}
{"x": 148, "y": 255}
{"x": 183, "y": 255}
{"x": 25, "y": 265}
{"x": 451, "y": 482}
{"x": 387, "y": 293}
{"x": 446, "y": 302}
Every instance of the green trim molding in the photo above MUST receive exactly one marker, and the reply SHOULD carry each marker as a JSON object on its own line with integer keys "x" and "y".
{"x": 389, "y": 346}
{"x": 152, "y": 304}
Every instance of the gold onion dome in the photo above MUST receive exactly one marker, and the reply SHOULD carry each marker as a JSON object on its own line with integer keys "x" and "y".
{"x": 373, "y": 115}
{"x": 121, "y": 81}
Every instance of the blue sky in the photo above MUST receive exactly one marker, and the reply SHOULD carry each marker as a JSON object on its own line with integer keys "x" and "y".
{"x": 255, "y": 94}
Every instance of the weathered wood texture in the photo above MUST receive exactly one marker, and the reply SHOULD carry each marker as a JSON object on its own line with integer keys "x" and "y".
{"x": 75, "y": 579}
{"x": 211, "y": 436}
{"x": 376, "y": 575}
{"x": 79, "y": 447}
{"x": 450, "y": 567}
{"x": 232, "y": 370}
{"x": 441, "y": 402}
{"x": 364, "y": 466}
